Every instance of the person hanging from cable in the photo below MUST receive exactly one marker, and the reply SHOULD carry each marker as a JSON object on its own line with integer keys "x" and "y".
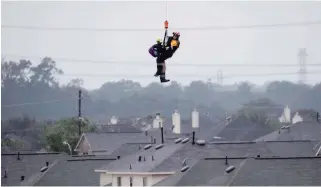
{"x": 156, "y": 48}
{"x": 168, "y": 50}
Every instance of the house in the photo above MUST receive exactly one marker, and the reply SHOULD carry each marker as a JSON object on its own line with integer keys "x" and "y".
{"x": 242, "y": 129}
{"x": 62, "y": 169}
{"x": 248, "y": 171}
{"x": 105, "y": 143}
{"x": 151, "y": 166}
{"x": 297, "y": 131}
{"x": 17, "y": 168}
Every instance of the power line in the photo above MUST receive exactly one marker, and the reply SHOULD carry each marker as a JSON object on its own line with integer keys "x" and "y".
{"x": 144, "y": 63}
{"x": 187, "y": 75}
{"x": 276, "y": 25}
{"x": 34, "y": 103}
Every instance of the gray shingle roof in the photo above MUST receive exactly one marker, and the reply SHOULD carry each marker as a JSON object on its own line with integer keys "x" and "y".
{"x": 123, "y": 165}
{"x": 250, "y": 172}
{"x": 74, "y": 172}
{"x": 241, "y": 129}
{"x": 244, "y": 149}
{"x": 298, "y": 131}
{"x": 28, "y": 165}
{"x": 118, "y": 128}
{"x": 112, "y": 141}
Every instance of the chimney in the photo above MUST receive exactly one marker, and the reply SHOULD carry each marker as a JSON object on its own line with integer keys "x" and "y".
{"x": 22, "y": 178}
{"x": 226, "y": 163}
{"x": 193, "y": 142}
{"x": 195, "y": 119}
{"x": 18, "y": 158}
{"x": 157, "y": 121}
{"x": 176, "y": 118}
{"x": 47, "y": 164}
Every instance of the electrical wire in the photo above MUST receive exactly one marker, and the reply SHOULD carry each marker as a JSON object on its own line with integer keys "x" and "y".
{"x": 276, "y": 25}
{"x": 188, "y": 75}
{"x": 142, "y": 63}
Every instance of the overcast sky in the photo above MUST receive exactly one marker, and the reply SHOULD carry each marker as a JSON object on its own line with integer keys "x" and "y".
{"x": 237, "y": 46}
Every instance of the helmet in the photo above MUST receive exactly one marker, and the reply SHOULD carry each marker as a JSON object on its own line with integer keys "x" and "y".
{"x": 159, "y": 40}
{"x": 176, "y": 33}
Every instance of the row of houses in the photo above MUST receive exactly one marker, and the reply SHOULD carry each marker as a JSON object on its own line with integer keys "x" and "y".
{"x": 232, "y": 152}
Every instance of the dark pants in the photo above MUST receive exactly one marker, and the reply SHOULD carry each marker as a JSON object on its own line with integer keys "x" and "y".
{"x": 160, "y": 60}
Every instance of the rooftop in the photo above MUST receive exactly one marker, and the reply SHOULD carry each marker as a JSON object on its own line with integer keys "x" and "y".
{"x": 298, "y": 131}
{"x": 287, "y": 171}
{"x": 29, "y": 164}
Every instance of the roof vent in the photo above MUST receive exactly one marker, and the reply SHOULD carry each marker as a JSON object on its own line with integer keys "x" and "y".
{"x": 44, "y": 169}
{"x": 200, "y": 142}
{"x": 226, "y": 162}
{"x": 18, "y": 157}
{"x": 178, "y": 140}
{"x": 130, "y": 166}
{"x": 153, "y": 158}
{"x": 185, "y": 140}
{"x": 47, "y": 164}
{"x": 258, "y": 156}
{"x": 5, "y": 174}
{"x": 184, "y": 168}
{"x": 229, "y": 169}
{"x": 144, "y": 158}
{"x": 22, "y": 178}
{"x": 159, "y": 146}
{"x": 147, "y": 146}
{"x": 139, "y": 158}
{"x": 118, "y": 157}
{"x": 184, "y": 165}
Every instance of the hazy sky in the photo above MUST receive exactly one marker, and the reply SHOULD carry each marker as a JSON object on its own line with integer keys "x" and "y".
{"x": 238, "y": 46}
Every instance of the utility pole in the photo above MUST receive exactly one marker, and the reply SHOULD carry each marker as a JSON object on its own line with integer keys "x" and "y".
{"x": 79, "y": 112}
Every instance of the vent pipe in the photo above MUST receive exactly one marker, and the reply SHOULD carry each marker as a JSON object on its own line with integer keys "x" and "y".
{"x": 162, "y": 132}
{"x": 22, "y": 178}
{"x": 193, "y": 142}
{"x": 226, "y": 163}
{"x": 47, "y": 164}
{"x": 18, "y": 157}
{"x": 5, "y": 174}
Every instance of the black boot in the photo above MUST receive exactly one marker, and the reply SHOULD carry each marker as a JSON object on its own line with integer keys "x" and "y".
{"x": 159, "y": 70}
{"x": 163, "y": 79}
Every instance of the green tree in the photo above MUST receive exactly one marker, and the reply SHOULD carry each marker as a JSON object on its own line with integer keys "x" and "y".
{"x": 65, "y": 130}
